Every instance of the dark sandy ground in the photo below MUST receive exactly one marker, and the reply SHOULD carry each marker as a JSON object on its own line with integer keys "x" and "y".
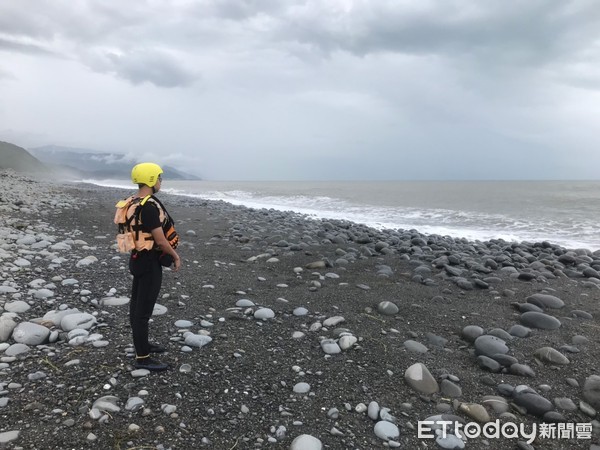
{"x": 239, "y": 390}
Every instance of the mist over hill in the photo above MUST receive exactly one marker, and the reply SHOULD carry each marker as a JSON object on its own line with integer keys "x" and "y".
{"x": 85, "y": 163}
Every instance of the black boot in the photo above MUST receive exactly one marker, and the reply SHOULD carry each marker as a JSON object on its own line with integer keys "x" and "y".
{"x": 156, "y": 348}
{"x": 150, "y": 364}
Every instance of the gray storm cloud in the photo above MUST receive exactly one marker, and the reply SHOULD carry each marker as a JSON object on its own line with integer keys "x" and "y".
{"x": 139, "y": 66}
{"x": 349, "y": 88}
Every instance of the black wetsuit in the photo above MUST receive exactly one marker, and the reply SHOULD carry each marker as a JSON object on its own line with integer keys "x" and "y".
{"x": 147, "y": 280}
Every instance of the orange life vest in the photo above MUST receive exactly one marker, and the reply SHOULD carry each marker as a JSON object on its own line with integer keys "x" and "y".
{"x": 131, "y": 234}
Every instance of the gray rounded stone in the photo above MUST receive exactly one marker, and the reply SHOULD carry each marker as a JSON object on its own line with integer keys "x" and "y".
{"x": 107, "y": 403}
{"x": 527, "y": 307}
{"x": 7, "y": 289}
{"x": 196, "y": 340}
{"x": 26, "y": 240}
{"x": 301, "y": 388}
{"x": 534, "y": 403}
{"x": 18, "y": 306}
{"x": 77, "y": 320}
{"x": 569, "y": 349}
{"x": 449, "y": 389}
{"x": 415, "y": 346}
{"x": 420, "y": 379}
{"x": 548, "y": 355}
{"x": 114, "y": 301}
{"x": 244, "y": 303}
{"x": 386, "y": 430}
{"x": 579, "y": 340}
{"x": 347, "y": 341}
{"x": 330, "y": 347}
{"x": 540, "y": 320}
{"x": 449, "y": 441}
{"x": 43, "y": 293}
{"x": 9, "y": 436}
{"x": 16, "y": 349}
{"x": 506, "y": 389}
{"x": 590, "y": 273}
{"x": 30, "y": 333}
{"x": 546, "y": 301}
{"x": 581, "y": 314}
{"x": 134, "y": 404}
{"x": 505, "y": 360}
{"x": 500, "y": 333}
{"x": 333, "y": 321}
{"x": 7, "y": 325}
{"x": 373, "y": 410}
{"x": 488, "y": 363}
{"x": 490, "y": 345}
{"x": 471, "y": 332}
{"x": 475, "y": 411}
{"x": 522, "y": 370}
{"x": 587, "y": 409}
{"x": 56, "y": 317}
{"x": 300, "y": 311}
{"x": 565, "y": 404}
{"x": 306, "y": 442}
{"x": 497, "y": 404}
{"x": 159, "y": 310}
{"x": 387, "y": 308}
{"x": 591, "y": 391}
{"x": 264, "y": 314}
{"x": 519, "y": 331}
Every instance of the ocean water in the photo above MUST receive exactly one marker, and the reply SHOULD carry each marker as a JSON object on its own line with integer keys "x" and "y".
{"x": 566, "y": 213}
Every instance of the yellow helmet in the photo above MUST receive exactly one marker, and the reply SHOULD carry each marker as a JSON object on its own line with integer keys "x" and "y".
{"x": 146, "y": 173}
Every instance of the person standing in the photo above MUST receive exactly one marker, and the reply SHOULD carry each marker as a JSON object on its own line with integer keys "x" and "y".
{"x": 155, "y": 241}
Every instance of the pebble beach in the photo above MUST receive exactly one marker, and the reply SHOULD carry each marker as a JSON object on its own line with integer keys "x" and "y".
{"x": 287, "y": 332}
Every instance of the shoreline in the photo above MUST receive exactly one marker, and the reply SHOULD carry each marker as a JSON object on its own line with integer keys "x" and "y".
{"x": 357, "y": 313}
{"x": 322, "y": 216}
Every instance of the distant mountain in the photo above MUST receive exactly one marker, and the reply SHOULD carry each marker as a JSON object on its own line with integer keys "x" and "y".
{"x": 85, "y": 163}
{"x": 19, "y": 159}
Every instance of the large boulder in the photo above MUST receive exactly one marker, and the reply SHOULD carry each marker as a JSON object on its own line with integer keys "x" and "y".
{"x": 30, "y": 333}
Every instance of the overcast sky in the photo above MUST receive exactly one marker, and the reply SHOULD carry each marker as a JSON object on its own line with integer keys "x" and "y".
{"x": 314, "y": 89}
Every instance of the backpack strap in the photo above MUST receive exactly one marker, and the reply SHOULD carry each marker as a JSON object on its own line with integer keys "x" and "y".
{"x": 146, "y": 198}
{"x": 167, "y": 215}
{"x": 138, "y": 212}
{"x": 135, "y": 217}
